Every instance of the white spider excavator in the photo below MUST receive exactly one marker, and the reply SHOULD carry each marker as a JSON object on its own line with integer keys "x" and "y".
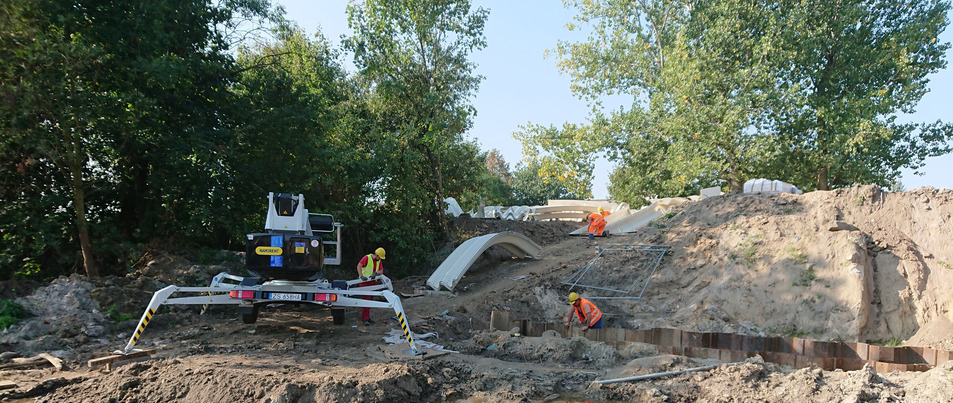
{"x": 288, "y": 262}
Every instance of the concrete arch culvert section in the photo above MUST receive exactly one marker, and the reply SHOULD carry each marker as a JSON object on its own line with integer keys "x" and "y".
{"x": 454, "y": 266}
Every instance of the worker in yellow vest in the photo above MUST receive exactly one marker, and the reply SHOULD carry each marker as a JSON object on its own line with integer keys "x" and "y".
{"x": 368, "y": 269}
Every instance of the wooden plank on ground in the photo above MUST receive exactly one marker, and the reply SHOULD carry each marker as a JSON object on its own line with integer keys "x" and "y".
{"x": 7, "y": 385}
{"x": 57, "y": 363}
{"x": 108, "y": 361}
{"x": 23, "y": 363}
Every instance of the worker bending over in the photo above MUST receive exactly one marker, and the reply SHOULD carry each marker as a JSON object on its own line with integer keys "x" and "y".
{"x": 589, "y": 315}
{"x": 368, "y": 269}
{"x": 597, "y": 223}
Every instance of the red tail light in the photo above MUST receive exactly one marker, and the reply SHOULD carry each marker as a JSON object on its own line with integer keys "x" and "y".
{"x": 241, "y": 294}
{"x": 326, "y": 297}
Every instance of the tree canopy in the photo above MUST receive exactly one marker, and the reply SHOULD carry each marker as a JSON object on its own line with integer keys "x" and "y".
{"x": 129, "y": 126}
{"x": 414, "y": 54}
{"x": 728, "y": 90}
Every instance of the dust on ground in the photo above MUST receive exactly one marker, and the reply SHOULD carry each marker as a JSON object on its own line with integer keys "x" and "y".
{"x": 854, "y": 264}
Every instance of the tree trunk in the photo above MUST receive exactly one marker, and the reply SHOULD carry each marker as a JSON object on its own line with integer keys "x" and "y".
{"x": 132, "y": 209}
{"x": 736, "y": 184}
{"x": 79, "y": 206}
{"x": 822, "y": 179}
{"x": 438, "y": 182}
{"x": 824, "y": 138}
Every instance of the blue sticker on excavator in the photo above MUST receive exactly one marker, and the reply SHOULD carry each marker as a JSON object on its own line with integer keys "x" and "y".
{"x": 276, "y": 261}
{"x": 277, "y": 241}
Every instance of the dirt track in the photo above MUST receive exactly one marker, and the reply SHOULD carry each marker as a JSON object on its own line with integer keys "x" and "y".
{"x": 854, "y": 265}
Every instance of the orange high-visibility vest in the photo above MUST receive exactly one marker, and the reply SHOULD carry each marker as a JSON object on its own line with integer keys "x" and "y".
{"x": 597, "y": 222}
{"x": 594, "y": 314}
{"x": 372, "y": 266}
{"x": 596, "y": 218}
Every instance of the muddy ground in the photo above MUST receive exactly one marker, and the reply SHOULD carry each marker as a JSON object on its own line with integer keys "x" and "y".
{"x": 854, "y": 264}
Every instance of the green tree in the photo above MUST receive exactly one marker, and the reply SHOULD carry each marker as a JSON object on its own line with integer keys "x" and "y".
{"x": 697, "y": 80}
{"x": 567, "y": 155}
{"x": 532, "y": 186}
{"x": 54, "y": 107}
{"x": 415, "y": 54}
{"x": 126, "y": 104}
{"x": 849, "y": 68}
{"x": 728, "y": 90}
{"x": 293, "y": 94}
{"x": 484, "y": 180}
{"x": 497, "y": 166}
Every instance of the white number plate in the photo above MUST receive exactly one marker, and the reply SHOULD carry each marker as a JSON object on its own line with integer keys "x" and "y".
{"x": 285, "y": 297}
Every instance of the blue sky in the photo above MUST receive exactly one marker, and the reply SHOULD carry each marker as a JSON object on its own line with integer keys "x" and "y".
{"x": 520, "y": 86}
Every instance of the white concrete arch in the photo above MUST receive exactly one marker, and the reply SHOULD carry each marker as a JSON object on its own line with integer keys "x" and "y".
{"x": 453, "y": 268}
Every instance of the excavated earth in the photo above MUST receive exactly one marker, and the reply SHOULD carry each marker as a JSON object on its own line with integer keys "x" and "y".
{"x": 855, "y": 264}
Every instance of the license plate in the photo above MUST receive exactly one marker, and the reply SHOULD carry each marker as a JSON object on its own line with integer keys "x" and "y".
{"x": 285, "y": 297}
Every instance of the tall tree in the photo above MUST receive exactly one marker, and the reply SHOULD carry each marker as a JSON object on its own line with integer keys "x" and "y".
{"x": 533, "y": 187}
{"x": 126, "y": 100}
{"x": 54, "y": 106}
{"x": 415, "y": 54}
{"x": 849, "y": 68}
{"x": 498, "y": 166}
{"x": 293, "y": 94}
{"x": 697, "y": 81}
{"x": 567, "y": 155}
{"x": 728, "y": 90}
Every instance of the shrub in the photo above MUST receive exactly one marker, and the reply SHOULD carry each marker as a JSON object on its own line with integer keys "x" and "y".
{"x": 11, "y": 313}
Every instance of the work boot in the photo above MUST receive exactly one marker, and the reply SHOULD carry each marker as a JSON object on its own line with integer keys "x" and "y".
{"x": 368, "y": 322}
{"x": 592, "y": 236}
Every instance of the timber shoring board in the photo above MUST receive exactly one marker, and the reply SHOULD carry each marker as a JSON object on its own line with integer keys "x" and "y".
{"x": 108, "y": 361}
{"x": 792, "y": 351}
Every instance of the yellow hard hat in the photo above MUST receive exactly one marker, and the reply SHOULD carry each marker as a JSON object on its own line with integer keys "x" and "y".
{"x": 573, "y": 297}
{"x": 380, "y": 253}
{"x": 600, "y": 209}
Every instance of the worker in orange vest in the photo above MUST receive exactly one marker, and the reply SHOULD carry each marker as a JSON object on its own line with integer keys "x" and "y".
{"x": 590, "y": 317}
{"x": 597, "y": 223}
{"x": 368, "y": 269}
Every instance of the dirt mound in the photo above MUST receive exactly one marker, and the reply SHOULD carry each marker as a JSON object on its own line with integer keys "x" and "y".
{"x": 852, "y": 264}
{"x": 542, "y": 232}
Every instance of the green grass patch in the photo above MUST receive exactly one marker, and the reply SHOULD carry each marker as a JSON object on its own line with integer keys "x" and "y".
{"x": 117, "y": 316}
{"x": 807, "y": 277}
{"x": 797, "y": 255}
{"x": 893, "y": 342}
{"x": 749, "y": 249}
{"x": 11, "y": 313}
